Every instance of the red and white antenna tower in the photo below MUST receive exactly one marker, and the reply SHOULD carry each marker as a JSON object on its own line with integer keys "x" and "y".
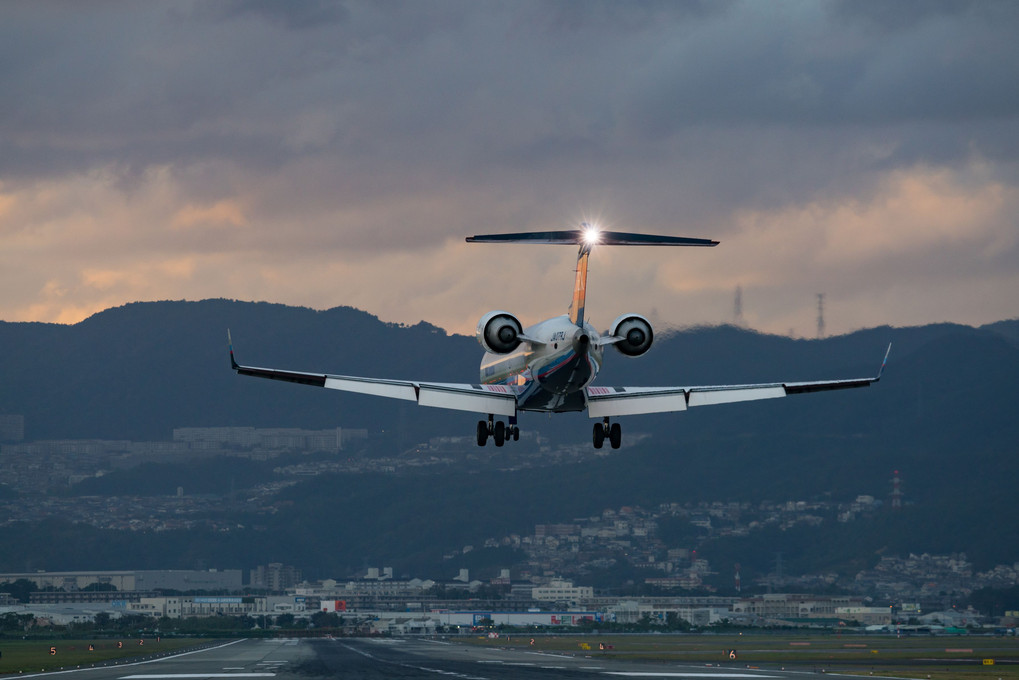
{"x": 896, "y": 491}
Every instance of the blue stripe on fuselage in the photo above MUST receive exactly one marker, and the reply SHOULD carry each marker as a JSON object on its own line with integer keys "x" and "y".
{"x": 559, "y": 363}
{"x": 568, "y": 374}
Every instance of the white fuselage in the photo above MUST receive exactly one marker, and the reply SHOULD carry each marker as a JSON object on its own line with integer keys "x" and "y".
{"x": 550, "y": 372}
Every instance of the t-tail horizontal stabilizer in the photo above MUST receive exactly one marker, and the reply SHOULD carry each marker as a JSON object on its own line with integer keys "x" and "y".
{"x": 600, "y": 238}
{"x": 587, "y": 237}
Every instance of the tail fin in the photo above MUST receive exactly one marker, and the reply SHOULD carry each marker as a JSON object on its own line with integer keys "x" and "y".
{"x": 580, "y": 286}
{"x": 588, "y": 237}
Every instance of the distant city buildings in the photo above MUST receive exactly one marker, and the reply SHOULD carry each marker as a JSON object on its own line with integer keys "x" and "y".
{"x": 556, "y": 560}
{"x": 267, "y": 439}
{"x": 229, "y": 580}
{"x": 39, "y": 466}
{"x": 562, "y": 592}
{"x": 275, "y": 577}
{"x": 380, "y": 603}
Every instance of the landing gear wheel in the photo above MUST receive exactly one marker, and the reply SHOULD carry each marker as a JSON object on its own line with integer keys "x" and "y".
{"x": 516, "y": 433}
{"x": 599, "y": 435}
{"x": 500, "y": 433}
{"x": 482, "y": 433}
{"x": 615, "y": 435}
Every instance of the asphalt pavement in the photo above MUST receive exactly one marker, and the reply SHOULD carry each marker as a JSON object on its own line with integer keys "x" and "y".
{"x": 394, "y": 658}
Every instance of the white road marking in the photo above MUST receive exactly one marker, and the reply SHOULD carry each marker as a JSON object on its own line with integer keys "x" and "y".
{"x": 723, "y": 674}
{"x": 169, "y": 676}
{"x": 133, "y": 663}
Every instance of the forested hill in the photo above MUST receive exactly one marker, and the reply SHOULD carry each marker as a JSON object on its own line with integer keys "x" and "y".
{"x": 138, "y": 371}
{"x": 944, "y": 414}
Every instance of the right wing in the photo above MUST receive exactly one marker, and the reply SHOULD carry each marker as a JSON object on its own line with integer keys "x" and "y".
{"x": 495, "y": 399}
{"x": 604, "y": 402}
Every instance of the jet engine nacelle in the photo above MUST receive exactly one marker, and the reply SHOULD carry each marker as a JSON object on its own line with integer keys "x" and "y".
{"x": 635, "y": 332}
{"x": 499, "y": 332}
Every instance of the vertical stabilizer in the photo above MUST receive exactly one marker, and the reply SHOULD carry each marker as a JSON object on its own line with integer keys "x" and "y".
{"x": 580, "y": 286}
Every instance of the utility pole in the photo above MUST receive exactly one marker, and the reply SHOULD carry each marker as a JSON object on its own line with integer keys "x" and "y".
{"x": 820, "y": 315}
{"x": 737, "y": 308}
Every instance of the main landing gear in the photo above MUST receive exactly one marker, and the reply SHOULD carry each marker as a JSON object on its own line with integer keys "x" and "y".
{"x": 499, "y": 431}
{"x": 602, "y": 430}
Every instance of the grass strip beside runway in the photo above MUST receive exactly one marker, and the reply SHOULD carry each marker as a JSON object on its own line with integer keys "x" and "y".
{"x": 35, "y": 655}
{"x": 941, "y": 657}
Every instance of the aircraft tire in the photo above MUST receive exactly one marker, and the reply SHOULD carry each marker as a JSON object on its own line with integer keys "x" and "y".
{"x": 615, "y": 435}
{"x": 500, "y": 433}
{"x": 599, "y": 435}
{"x": 482, "y": 433}
{"x": 516, "y": 433}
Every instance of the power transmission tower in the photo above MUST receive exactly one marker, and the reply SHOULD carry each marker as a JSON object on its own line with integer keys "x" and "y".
{"x": 737, "y": 308}
{"x": 820, "y": 315}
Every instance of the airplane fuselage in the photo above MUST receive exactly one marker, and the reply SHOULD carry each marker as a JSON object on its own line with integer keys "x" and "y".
{"x": 550, "y": 372}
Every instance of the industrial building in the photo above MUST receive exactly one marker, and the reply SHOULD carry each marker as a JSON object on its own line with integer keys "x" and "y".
{"x": 219, "y": 580}
{"x": 195, "y": 606}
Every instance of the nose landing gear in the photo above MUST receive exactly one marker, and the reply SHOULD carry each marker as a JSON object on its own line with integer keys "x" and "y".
{"x": 603, "y": 429}
{"x": 499, "y": 431}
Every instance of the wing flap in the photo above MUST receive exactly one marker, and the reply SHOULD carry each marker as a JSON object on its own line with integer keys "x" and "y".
{"x": 392, "y": 389}
{"x": 495, "y": 399}
{"x": 709, "y": 396}
{"x": 603, "y": 402}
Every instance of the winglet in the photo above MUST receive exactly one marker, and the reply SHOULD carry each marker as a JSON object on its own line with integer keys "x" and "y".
{"x": 885, "y": 361}
{"x": 230, "y": 343}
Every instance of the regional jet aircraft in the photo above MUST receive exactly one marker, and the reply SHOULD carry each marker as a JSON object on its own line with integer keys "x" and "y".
{"x": 551, "y": 366}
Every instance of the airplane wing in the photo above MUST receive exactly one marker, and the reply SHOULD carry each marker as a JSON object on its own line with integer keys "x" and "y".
{"x": 627, "y": 401}
{"x": 495, "y": 399}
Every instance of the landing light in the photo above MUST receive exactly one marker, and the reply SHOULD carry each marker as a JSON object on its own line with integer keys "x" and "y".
{"x": 591, "y": 235}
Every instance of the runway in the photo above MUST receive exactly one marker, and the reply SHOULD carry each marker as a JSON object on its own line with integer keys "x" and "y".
{"x": 401, "y": 658}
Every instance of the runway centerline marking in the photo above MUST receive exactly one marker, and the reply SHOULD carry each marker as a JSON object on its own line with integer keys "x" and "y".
{"x": 674, "y": 674}
{"x": 170, "y": 676}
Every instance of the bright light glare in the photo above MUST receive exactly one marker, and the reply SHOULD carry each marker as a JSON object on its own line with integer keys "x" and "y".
{"x": 590, "y": 234}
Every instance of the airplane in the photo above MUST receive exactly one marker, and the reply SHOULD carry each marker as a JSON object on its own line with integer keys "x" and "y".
{"x": 550, "y": 366}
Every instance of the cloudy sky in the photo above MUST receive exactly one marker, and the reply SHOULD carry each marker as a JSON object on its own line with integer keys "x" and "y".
{"x": 337, "y": 153}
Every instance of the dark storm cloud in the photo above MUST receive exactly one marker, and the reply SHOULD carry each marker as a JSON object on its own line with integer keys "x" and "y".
{"x": 906, "y": 14}
{"x": 382, "y": 128}
{"x": 294, "y": 15}
{"x": 769, "y": 66}
{"x": 453, "y": 85}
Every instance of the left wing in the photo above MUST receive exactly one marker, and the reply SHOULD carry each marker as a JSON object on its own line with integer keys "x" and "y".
{"x": 495, "y": 399}
{"x": 603, "y": 402}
